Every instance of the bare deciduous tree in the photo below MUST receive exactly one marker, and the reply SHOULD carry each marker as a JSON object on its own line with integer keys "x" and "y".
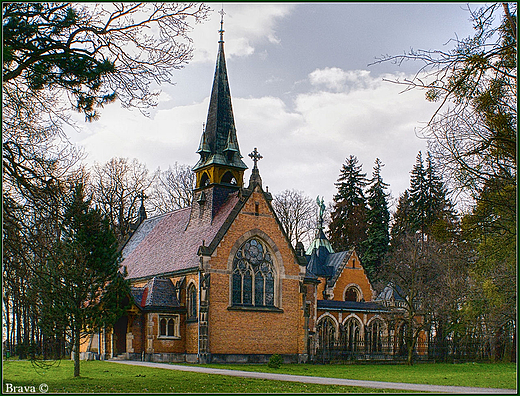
{"x": 97, "y": 52}
{"x": 412, "y": 270}
{"x": 172, "y": 189}
{"x": 117, "y": 186}
{"x": 298, "y": 215}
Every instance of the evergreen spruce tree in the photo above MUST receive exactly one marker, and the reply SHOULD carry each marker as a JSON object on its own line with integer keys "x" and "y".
{"x": 400, "y": 220}
{"x": 425, "y": 206}
{"x": 81, "y": 284}
{"x": 378, "y": 220}
{"x": 418, "y": 196}
{"x": 348, "y": 226}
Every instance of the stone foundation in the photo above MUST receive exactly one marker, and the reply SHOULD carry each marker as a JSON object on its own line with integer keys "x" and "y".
{"x": 213, "y": 358}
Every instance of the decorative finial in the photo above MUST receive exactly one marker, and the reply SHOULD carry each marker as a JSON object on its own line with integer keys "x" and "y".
{"x": 142, "y": 210}
{"x": 221, "y": 31}
{"x": 255, "y": 156}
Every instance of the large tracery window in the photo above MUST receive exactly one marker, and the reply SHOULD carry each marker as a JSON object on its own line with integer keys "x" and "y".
{"x": 253, "y": 275}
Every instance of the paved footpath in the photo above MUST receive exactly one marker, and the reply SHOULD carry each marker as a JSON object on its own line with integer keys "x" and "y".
{"x": 321, "y": 380}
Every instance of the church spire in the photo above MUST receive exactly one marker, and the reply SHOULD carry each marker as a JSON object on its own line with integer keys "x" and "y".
{"x": 218, "y": 149}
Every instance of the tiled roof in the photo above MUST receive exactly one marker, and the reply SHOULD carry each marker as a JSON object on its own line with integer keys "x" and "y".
{"x": 157, "y": 294}
{"x": 351, "y": 306}
{"x": 170, "y": 243}
{"x": 326, "y": 264}
{"x": 142, "y": 231}
{"x": 391, "y": 293}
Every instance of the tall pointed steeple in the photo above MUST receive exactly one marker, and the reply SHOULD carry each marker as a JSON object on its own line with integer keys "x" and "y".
{"x": 220, "y": 159}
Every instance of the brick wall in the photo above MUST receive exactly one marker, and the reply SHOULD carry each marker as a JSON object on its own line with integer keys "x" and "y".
{"x": 353, "y": 274}
{"x": 254, "y": 332}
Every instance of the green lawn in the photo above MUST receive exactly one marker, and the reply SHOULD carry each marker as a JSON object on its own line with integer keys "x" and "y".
{"x": 106, "y": 377}
{"x": 486, "y": 375}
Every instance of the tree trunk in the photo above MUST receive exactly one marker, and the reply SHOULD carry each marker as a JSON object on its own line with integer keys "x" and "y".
{"x": 410, "y": 341}
{"x": 76, "y": 349}
{"x": 409, "y": 360}
{"x": 8, "y": 326}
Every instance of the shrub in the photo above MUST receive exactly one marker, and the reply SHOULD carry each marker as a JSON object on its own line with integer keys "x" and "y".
{"x": 275, "y": 361}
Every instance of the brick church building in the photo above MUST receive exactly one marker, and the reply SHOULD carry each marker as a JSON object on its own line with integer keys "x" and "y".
{"x": 219, "y": 281}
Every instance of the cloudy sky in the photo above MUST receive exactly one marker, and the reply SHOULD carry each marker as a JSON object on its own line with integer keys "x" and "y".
{"x": 302, "y": 89}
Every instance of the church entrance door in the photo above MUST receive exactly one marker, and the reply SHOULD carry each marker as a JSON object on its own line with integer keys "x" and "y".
{"x": 120, "y": 335}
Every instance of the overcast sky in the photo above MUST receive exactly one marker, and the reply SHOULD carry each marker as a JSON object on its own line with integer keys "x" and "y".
{"x": 302, "y": 89}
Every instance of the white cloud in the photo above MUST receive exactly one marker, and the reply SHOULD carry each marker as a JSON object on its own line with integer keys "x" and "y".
{"x": 335, "y": 79}
{"x": 246, "y": 25}
{"x": 303, "y": 148}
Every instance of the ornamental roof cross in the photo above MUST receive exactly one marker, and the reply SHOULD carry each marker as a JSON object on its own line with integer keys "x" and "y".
{"x": 255, "y": 156}
{"x": 221, "y": 31}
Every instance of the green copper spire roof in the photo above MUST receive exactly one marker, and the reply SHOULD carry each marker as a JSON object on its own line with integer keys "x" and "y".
{"x": 219, "y": 144}
{"x": 320, "y": 240}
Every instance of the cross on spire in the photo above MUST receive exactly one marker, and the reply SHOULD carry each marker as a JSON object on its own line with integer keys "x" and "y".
{"x": 221, "y": 31}
{"x": 255, "y": 156}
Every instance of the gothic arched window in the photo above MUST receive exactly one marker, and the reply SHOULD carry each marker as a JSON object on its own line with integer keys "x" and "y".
{"x": 169, "y": 326}
{"x": 192, "y": 302}
{"x": 253, "y": 275}
{"x": 352, "y": 334}
{"x": 204, "y": 180}
{"x": 351, "y": 294}
{"x": 326, "y": 330}
{"x": 374, "y": 336}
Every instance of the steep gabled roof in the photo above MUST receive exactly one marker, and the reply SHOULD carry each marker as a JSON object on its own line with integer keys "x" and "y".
{"x": 170, "y": 243}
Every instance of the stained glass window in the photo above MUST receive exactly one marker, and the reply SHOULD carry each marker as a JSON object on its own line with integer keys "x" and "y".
{"x": 253, "y": 275}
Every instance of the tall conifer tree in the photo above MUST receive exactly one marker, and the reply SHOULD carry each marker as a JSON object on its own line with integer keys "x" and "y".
{"x": 418, "y": 196}
{"x": 425, "y": 206}
{"x": 378, "y": 221}
{"x": 81, "y": 285}
{"x": 348, "y": 226}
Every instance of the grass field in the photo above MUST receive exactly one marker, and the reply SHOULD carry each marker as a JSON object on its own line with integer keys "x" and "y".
{"x": 106, "y": 377}
{"x": 485, "y": 375}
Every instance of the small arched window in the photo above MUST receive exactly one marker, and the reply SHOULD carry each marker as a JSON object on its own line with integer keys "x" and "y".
{"x": 253, "y": 275}
{"x": 192, "y": 301}
{"x": 351, "y": 294}
{"x": 169, "y": 326}
{"x": 162, "y": 327}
